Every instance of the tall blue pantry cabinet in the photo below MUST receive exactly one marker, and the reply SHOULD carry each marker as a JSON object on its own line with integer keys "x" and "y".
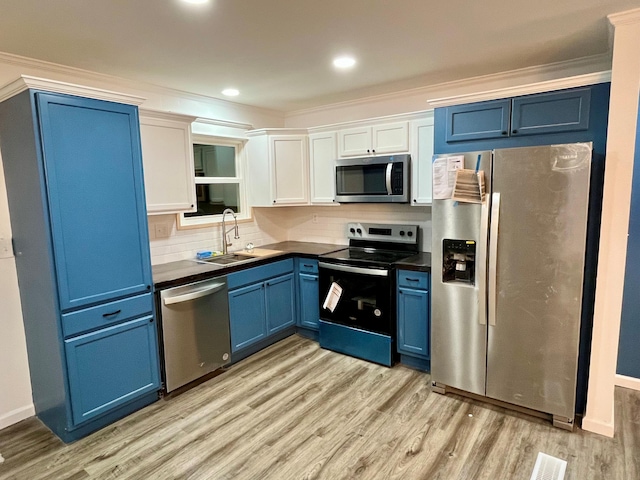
{"x": 75, "y": 188}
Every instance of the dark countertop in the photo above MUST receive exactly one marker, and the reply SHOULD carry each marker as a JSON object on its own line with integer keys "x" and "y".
{"x": 186, "y": 271}
{"x": 420, "y": 262}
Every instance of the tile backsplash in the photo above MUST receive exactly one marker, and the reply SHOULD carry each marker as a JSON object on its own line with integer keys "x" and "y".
{"x": 275, "y": 224}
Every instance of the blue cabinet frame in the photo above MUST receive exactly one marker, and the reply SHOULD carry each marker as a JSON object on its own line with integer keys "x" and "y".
{"x": 414, "y": 318}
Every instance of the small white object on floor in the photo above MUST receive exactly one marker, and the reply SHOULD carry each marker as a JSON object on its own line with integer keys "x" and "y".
{"x": 1, "y": 458}
{"x": 548, "y": 468}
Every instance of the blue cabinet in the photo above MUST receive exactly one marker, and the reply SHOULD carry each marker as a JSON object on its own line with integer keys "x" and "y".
{"x": 261, "y": 305}
{"x": 76, "y": 199}
{"x": 309, "y": 307}
{"x": 109, "y": 367}
{"x": 562, "y": 116}
{"x": 413, "y": 318}
{"x": 478, "y": 121}
{"x": 247, "y": 313}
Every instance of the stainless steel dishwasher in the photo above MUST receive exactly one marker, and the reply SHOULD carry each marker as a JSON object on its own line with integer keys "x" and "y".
{"x": 195, "y": 330}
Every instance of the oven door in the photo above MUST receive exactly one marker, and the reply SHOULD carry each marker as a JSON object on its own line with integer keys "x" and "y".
{"x": 365, "y": 302}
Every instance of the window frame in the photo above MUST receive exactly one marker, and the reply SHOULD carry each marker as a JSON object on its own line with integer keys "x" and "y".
{"x": 240, "y": 180}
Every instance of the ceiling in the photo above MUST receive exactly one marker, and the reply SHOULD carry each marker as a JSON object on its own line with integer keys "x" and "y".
{"x": 278, "y": 53}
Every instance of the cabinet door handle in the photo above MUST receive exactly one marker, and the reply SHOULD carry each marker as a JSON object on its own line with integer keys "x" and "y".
{"x": 105, "y": 315}
{"x": 504, "y": 132}
{"x": 409, "y": 279}
{"x": 514, "y": 131}
{"x": 308, "y": 266}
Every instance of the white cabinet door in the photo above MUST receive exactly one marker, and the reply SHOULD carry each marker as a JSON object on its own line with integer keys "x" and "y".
{"x": 391, "y": 138}
{"x": 421, "y": 157}
{"x": 322, "y": 161}
{"x": 353, "y": 142}
{"x": 167, "y": 155}
{"x": 290, "y": 169}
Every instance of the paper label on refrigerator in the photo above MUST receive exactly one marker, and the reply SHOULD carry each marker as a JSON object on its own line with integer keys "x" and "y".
{"x": 333, "y": 296}
{"x": 444, "y": 175}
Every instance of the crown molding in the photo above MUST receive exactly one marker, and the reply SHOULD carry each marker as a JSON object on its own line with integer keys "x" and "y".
{"x": 277, "y": 131}
{"x": 627, "y": 17}
{"x": 397, "y": 117}
{"x": 160, "y": 115}
{"x": 560, "y": 70}
{"x": 27, "y": 82}
{"x": 224, "y": 123}
{"x": 79, "y": 73}
{"x": 538, "y": 87}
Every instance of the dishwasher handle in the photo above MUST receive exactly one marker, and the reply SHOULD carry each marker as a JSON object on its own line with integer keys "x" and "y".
{"x": 193, "y": 295}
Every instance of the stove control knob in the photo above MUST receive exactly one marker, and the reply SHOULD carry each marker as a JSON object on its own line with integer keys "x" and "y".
{"x": 352, "y": 230}
{"x": 410, "y": 234}
{"x": 402, "y": 233}
{"x": 359, "y": 230}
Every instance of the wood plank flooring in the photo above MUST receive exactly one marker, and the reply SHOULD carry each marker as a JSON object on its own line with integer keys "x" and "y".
{"x": 295, "y": 411}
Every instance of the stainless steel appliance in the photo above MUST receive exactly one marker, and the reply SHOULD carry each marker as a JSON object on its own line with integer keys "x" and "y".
{"x": 373, "y": 179}
{"x": 508, "y": 277}
{"x": 362, "y": 321}
{"x": 195, "y": 330}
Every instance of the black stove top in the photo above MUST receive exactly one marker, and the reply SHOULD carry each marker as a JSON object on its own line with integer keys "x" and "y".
{"x": 367, "y": 256}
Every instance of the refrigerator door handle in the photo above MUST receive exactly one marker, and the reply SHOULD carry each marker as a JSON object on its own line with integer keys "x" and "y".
{"x": 493, "y": 257}
{"x": 481, "y": 269}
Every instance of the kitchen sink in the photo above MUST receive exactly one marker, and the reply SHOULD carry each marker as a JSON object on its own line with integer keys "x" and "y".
{"x": 225, "y": 259}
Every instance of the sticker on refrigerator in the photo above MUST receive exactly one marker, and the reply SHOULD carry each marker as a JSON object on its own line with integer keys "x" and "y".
{"x": 333, "y": 297}
{"x": 444, "y": 175}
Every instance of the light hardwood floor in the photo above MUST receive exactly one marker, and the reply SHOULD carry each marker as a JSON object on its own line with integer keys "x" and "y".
{"x": 295, "y": 411}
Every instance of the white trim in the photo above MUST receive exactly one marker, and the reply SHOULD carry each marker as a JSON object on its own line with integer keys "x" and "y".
{"x": 224, "y": 123}
{"x": 628, "y": 382}
{"x": 595, "y": 426}
{"x": 14, "y": 416}
{"x": 26, "y": 82}
{"x": 277, "y": 131}
{"x": 538, "y": 87}
{"x": 397, "y": 117}
{"x": 178, "y": 117}
{"x": 624, "y": 18}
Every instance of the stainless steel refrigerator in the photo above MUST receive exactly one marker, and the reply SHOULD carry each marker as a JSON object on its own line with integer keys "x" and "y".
{"x": 507, "y": 279}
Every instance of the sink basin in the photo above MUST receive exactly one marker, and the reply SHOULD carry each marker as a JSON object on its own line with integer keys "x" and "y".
{"x": 226, "y": 259}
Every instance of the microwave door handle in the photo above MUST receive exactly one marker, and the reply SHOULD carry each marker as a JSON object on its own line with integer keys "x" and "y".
{"x": 388, "y": 178}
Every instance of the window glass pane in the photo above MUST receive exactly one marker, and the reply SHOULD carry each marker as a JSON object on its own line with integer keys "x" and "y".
{"x": 213, "y": 199}
{"x": 214, "y": 160}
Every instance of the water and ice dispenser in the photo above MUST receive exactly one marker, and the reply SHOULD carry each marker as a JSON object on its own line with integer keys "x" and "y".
{"x": 459, "y": 261}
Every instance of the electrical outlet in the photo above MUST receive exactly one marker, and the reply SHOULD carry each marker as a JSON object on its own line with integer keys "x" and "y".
{"x": 162, "y": 230}
{"x": 5, "y": 247}
{"x": 315, "y": 218}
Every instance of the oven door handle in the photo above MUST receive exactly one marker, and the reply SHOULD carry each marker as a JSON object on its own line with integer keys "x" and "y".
{"x": 374, "y": 272}
{"x": 388, "y": 178}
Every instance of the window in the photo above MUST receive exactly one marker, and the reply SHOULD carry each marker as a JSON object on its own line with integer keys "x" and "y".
{"x": 218, "y": 179}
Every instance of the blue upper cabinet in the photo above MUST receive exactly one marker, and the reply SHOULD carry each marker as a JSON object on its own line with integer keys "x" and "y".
{"x": 478, "y": 121}
{"x": 91, "y": 152}
{"x": 562, "y": 116}
{"x": 564, "y": 111}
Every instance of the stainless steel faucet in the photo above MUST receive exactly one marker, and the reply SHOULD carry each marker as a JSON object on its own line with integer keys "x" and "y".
{"x": 225, "y": 232}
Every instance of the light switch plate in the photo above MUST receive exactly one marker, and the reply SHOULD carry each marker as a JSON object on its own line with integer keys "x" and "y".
{"x": 6, "y": 251}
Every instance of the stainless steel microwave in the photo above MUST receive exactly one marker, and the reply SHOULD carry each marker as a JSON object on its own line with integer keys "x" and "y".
{"x": 379, "y": 179}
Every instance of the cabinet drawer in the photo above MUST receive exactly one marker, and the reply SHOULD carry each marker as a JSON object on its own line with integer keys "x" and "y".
{"x": 106, "y": 314}
{"x": 417, "y": 280}
{"x": 259, "y": 274}
{"x": 307, "y": 265}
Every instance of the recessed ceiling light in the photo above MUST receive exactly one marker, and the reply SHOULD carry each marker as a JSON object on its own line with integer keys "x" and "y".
{"x": 196, "y": 1}
{"x": 230, "y": 92}
{"x": 344, "y": 62}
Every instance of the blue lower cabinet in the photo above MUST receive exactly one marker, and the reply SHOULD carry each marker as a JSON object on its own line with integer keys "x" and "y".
{"x": 413, "y": 322}
{"x": 309, "y": 302}
{"x": 281, "y": 312}
{"x": 247, "y": 313}
{"x": 111, "y": 367}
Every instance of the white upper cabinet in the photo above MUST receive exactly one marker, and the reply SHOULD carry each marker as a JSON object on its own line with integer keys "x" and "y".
{"x": 421, "y": 158}
{"x": 278, "y": 168}
{"x": 167, "y": 156}
{"x": 372, "y": 140}
{"x": 322, "y": 161}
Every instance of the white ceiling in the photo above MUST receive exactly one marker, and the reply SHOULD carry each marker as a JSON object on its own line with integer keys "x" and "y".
{"x": 278, "y": 52}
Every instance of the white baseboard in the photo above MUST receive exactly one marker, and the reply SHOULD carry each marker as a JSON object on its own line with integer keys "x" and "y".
{"x": 597, "y": 426}
{"x": 14, "y": 416}
{"x": 628, "y": 382}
